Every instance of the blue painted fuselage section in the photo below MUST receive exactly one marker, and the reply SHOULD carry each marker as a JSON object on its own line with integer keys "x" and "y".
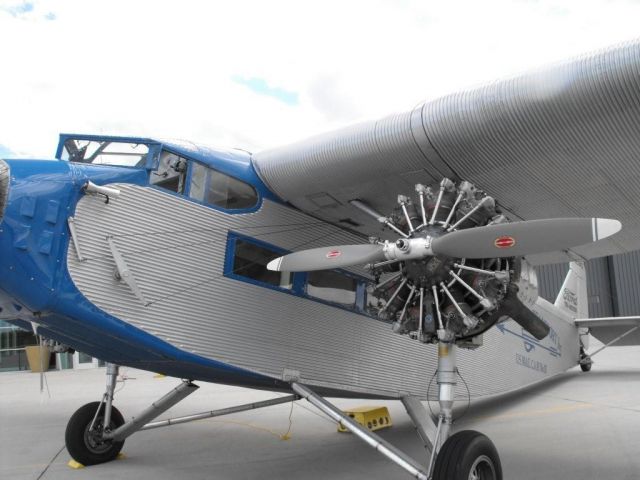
{"x": 35, "y": 238}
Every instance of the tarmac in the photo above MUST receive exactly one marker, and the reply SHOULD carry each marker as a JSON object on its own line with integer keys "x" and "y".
{"x": 573, "y": 426}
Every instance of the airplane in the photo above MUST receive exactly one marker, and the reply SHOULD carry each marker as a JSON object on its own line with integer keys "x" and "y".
{"x": 393, "y": 259}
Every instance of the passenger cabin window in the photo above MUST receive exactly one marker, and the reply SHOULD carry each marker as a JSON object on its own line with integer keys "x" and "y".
{"x": 247, "y": 258}
{"x": 250, "y": 261}
{"x": 171, "y": 173}
{"x": 215, "y": 188}
{"x": 122, "y": 154}
{"x": 332, "y": 286}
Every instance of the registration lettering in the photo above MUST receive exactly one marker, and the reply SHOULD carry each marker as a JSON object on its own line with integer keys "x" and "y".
{"x": 531, "y": 363}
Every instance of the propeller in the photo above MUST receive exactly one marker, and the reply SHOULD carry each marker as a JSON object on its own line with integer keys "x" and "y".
{"x": 324, "y": 258}
{"x": 519, "y": 239}
{"x": 491, "y": 241}
{"x": 458, "y": 264}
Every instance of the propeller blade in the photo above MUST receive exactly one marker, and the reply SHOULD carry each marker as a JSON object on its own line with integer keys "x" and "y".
{"x": 524, "y": 238}
{"x": 326, "y": 258}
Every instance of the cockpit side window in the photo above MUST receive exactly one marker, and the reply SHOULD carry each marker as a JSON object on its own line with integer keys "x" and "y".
{"x": 198, "y": 182}
{"x": 216, "y": 188}
{"x": 171, "y": 173}
{"x": 105, "y": 152}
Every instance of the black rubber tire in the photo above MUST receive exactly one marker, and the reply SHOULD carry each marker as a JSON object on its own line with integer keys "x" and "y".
{"x": 82, "y": 448}
{"x": 586, "y": 367}
{"x": 464, "y": 452}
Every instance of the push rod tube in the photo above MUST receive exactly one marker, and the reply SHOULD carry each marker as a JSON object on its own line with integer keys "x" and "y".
{"x": 373, "y": 440}
{"x": 388, "y": 280}
{"x": 437, "y": 207}
{"x": 469, "y": 213}
{"x": 394, "y": 294}
{"x": 422, "y": 210}
{"x": 403, "y": 205}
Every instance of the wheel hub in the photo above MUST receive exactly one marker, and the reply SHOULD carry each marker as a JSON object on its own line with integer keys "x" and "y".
{"x": 93, "y": 437}
{"x": 482, "y": 469}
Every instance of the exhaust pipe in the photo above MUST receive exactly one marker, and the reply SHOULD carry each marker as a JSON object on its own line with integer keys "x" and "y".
{"x": 4, "y": 186}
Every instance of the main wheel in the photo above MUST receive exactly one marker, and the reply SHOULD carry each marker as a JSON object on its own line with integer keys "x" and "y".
{"x": 468, "y": 455}
{"x": 586, "y": 367}
{"x": 86, "y": 446}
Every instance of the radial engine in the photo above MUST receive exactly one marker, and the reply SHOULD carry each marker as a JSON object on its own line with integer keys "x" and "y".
{"x": 461, "y": 296}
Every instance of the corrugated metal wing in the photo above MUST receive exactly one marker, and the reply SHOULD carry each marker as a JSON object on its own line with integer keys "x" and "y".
{"x": 558, "y": 142}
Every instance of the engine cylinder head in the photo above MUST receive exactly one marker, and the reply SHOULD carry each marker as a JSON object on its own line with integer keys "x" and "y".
{"x": 446, "y": 202}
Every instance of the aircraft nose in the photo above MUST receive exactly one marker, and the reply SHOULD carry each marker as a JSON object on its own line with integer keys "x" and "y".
{"x": 4, "y": 186}
{"x": 35, "y": 196}
{"x": 37, "y": 201}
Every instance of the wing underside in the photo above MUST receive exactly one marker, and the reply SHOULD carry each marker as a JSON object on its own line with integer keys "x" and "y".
{"x": 610, "y": 328}
{"x": 558, "y": 142}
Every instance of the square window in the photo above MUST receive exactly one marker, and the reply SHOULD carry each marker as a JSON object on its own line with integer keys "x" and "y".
{"x": 250, "y": 260}
{"x": 332, "y": 286}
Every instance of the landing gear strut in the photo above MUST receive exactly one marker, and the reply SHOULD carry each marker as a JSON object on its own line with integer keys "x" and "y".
{"x": 96, "y": 431}
{"x": 85, "y": 432}
{"x": 466, "y": 455}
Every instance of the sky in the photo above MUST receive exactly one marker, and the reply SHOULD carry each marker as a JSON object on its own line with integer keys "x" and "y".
{"x": 256, "y": 74}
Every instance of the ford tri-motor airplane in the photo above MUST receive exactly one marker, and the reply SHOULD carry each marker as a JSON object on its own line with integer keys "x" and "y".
{"x": 365, "y": 262}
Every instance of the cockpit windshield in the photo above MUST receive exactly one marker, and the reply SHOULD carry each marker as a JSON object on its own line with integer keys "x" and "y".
{"x": 103, "y": 152}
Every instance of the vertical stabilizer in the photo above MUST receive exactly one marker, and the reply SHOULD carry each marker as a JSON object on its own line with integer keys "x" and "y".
{"x": 573, "y": 294}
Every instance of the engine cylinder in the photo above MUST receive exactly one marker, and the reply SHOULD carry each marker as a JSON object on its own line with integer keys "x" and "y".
{"x": 446, "y": 203}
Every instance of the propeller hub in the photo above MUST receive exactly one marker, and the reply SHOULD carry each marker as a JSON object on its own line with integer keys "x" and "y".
{"x": 429, "y": 271}
{"x": 433, "y": 231}
{"x": 402, "y": 244}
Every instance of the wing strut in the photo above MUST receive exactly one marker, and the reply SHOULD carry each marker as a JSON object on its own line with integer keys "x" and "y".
{"x": 619, "y": 337}
{"x": 394, "y": 454}
{"x": 585, "y": 358}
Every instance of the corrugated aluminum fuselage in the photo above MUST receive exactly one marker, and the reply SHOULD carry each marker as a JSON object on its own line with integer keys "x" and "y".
{"x": 176, "y": 250}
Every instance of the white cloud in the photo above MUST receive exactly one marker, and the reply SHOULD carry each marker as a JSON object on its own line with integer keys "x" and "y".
{"x": 161, "y": 68}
